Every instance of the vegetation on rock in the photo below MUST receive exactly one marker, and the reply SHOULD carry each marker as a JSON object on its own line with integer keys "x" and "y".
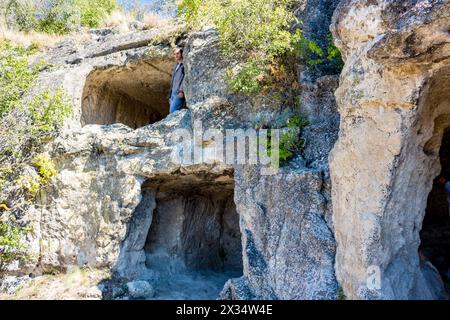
{"x": 16, "y": 76}
{"x": 260, "y": 35}
{"x": 290, "y": 142}
{"x": 11, "y": 246}
{"x": 27, "y": 124}
{"x": 265, "y": 44}
{"x": 56, "y": 16}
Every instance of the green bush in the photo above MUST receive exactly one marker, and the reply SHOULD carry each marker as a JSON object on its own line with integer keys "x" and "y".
{"x": 93, "y": 12}
{"x": 291, "y": 142}
{"x": 245, "y": 26}
{"x": 20, "y": 15}
{"x": 11, "y": 247}
{"x": 31, "y": 183}
{"x": 334, "y": 54}
{"x": 255, "y": 33}
{"x": 245, "y": 79}
{"x": 57, "y": 16}
{"x": 21, "y": 141}
{"x": 258, "y": 35}
{"x": 25, "y": 126}
{"x": 45, "y": 167}
{"x": 48, "y": 111}
{"x": 16, "y": 76}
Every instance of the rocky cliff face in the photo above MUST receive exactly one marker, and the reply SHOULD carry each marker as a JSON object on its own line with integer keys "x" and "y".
{"x": 394, "y": 104}
{"x": 123, "y": 201}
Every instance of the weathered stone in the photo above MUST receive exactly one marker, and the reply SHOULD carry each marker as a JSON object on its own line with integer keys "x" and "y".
{"x": 117, "y": 292}
{"x": 94, "y": 293}
{"x": 121, "y": 201}
{"x": 285, "y": 235}
{"x": 140, "y": 289}
{"x": 393, "y": 101}
{"x": 9, "y": 284}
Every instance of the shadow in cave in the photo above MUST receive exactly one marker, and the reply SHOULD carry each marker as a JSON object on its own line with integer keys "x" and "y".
{"x": 184, "y": 238}
{"x": 134, "y": 95}
{"x": 435, "y": 233}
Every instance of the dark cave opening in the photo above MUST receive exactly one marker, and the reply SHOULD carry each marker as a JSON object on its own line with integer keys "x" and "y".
{"x": 194, "y": 240}
{"x": 435, "y": 233}
{"x": 134, "y": 95}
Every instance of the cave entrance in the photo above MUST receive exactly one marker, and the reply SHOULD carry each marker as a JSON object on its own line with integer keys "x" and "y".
{"x": 435, "y": 233}
{"x": 134, "y": 95}
{"x": 194, "y": 240}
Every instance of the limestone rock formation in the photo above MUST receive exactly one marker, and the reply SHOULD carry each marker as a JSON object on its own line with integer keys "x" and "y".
{"x": 146, "y": 195}
{"x": 393, "y": 101}
{"x": 122, "y": 202}
{"x": 140, "y": 289}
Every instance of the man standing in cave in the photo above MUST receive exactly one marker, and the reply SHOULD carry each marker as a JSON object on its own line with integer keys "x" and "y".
{"x": 176, "y": 94}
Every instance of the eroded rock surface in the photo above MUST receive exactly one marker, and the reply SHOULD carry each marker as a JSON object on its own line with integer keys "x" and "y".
{"x": 394, "y": 105}
{"x": 121, "y": 201}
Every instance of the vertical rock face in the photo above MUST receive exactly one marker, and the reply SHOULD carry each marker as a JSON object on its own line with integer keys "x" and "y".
{"x": 394, "y": 105}
{"x": 121, "y": 201}
{"x": 288, "y": 248}
{"x": 315, "y": 17}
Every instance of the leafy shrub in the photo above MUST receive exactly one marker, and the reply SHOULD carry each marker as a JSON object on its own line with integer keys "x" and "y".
{"x": 48, "y": 111}
{"x": 20, "y": 15}
{"x": 30, "y": 183}
{"x": 93, "y": 12}
{"x": 245, "y": 27}
{"x": 253, "y": 32}
{"x": 16, "y": 76}
{"x": 258, "y": 35}
{"x": 291, "y": 142}
{"x": 309, "y": 51}
{"x": 25, "y": 127}
{"x": 245, "y": 79}
{"x": 11, "y": 247}
{"x": 23, "y": 133}
{"x": 45, "y": 167}
{"x": 334, "y": 54}
{"x": 33, "y": 183}
{"x": 57, "y": 16}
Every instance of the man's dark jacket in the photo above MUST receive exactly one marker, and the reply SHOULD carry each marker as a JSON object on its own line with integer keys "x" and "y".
{"x": 177, "y": 79}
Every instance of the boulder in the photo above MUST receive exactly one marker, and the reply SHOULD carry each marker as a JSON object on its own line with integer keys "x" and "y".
{"x": 140, "y": 289}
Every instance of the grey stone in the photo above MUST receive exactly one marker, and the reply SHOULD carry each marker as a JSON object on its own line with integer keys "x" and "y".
{"x": 393, "y": 104}
{"x": 94, "y": 292}
{"x": 121, "y": 202}
{"x": 117, "y": 292}
{"x": 9, "y": 284}
{"x": 140, "y": 289}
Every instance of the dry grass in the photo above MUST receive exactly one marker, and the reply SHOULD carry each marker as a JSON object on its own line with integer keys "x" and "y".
{"x": 73, "y": 285}
{"x": 41, "y": 40}
{"x": 122, "y": 20}
{"x": 38, "y": 39}
{"x": 152, "y": 20}
{"x": 118, "y": 20}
